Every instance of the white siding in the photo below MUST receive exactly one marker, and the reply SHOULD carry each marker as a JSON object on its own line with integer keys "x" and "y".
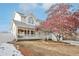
{"x": 14, "y": 30}
{"x": 17, "y": 17}
{"x": 54, "y": 37}
{"x": 37, "y": 23}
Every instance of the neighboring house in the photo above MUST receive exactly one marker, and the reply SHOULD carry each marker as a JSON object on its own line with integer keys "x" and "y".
{"x": 24, "y": 27}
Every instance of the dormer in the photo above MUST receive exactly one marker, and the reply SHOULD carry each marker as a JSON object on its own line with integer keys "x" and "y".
{"x": 30, "y": 19}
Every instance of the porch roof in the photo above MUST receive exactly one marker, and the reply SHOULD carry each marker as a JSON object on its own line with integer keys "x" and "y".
{"x": 22, "y": 24}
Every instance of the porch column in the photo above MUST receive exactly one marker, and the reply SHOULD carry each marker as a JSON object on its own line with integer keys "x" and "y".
{"x": 30, "y": 32}
{"x": 27, "y": 32}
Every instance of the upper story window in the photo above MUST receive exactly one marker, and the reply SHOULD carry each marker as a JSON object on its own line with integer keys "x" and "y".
{"x": 30, "y": 20}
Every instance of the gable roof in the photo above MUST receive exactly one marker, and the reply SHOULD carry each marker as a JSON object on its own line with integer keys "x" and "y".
{"x": 22, "y": 24}
{"x": 31, "y": 14}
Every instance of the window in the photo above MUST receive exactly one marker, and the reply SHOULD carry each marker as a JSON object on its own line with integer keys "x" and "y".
{"x": 30, "y": 20}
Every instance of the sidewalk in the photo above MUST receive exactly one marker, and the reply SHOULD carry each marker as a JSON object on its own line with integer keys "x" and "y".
{"x": 72, "y": 42}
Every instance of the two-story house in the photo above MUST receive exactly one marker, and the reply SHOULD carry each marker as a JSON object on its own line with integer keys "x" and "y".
{"x": 24, "y": 27}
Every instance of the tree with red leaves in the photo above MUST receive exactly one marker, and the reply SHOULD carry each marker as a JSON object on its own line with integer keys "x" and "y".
{"x": 60, "y": 20}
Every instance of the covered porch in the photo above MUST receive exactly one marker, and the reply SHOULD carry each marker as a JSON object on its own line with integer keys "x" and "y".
{"x": 28, "y": 33}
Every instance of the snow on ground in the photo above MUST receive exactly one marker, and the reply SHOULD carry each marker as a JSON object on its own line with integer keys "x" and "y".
{"x": 7, "y": 49}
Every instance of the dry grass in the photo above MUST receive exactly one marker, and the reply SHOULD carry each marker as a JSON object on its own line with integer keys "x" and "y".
{"x": 47, "y": 48}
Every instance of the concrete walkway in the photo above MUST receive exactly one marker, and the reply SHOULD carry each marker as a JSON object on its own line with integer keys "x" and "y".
{"x": 72, "y": 42}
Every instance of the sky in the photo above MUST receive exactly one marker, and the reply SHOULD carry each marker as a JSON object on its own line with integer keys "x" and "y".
{"x": 39, "y": 10}
{"x": 7, "y": 12}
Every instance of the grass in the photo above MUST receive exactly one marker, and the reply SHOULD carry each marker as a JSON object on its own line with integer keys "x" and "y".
{"x": 47, "y": 48}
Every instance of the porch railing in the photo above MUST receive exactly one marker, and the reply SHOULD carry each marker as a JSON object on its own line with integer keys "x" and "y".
{"x": 33, "y": 36}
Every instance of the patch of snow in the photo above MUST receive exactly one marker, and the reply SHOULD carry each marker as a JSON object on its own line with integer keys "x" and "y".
{"x": 7, "y": 49}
